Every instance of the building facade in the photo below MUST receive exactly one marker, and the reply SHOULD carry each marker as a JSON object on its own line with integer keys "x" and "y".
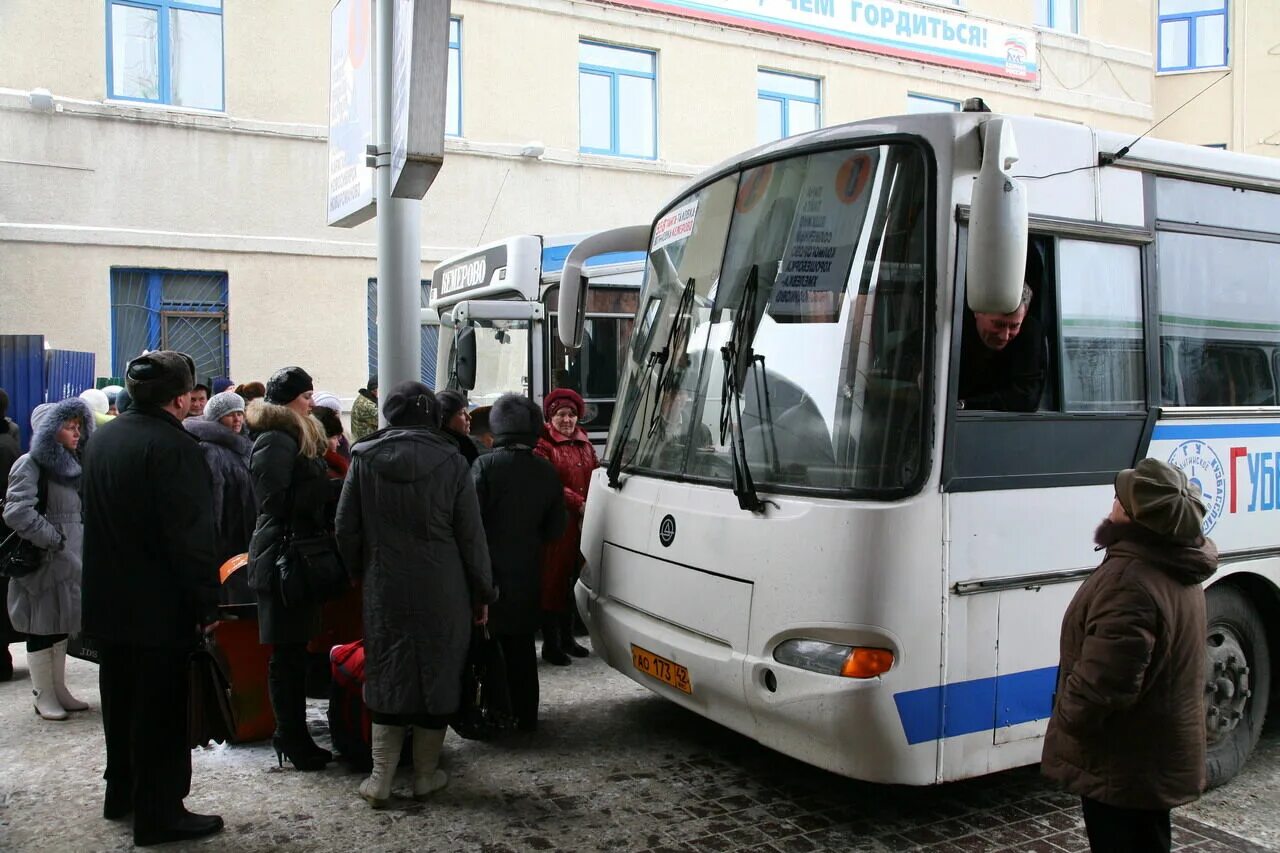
{"x": 163, "y": 162}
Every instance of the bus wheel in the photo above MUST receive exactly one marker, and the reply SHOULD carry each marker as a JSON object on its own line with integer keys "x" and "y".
{"x": 1237, "y": 682}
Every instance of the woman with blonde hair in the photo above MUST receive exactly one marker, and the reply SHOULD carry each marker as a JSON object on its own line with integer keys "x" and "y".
{"x": 292, "y": 488}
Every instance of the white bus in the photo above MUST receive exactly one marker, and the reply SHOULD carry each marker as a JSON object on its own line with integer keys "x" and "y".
{"x": 500, "y": 301}
{"x": 827, "y": 551}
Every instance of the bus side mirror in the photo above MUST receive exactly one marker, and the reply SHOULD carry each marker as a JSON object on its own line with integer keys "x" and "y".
{"x": 572, "y": 304}
{"x": 464, "y": 354}
{"x": 997, "y": 254}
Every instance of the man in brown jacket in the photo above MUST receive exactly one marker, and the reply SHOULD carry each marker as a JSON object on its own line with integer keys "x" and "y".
{"x": 1128, "y": 729}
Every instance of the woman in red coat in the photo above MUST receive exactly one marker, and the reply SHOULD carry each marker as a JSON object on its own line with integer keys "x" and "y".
{"x": 567, "y": 447}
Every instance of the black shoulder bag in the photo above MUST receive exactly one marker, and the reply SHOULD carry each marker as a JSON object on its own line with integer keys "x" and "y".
{"x": 20, "y": 557}
{"x": 308, "y": 568}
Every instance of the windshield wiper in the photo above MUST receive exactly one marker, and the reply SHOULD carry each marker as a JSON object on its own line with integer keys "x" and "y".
{"x": 738, "y": 359}
{"x": 656, "y": 358}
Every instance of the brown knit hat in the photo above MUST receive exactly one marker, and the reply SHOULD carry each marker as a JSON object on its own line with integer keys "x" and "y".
{"x": 1158, "y": 496}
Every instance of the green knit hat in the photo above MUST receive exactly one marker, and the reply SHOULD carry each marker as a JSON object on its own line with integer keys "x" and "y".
{"x": 1158, "y": 496}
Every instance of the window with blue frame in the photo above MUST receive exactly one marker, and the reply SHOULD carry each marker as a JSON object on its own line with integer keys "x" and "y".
{"x": 453, "y": 94}
{"x": 786, "y": 104}
{"x": 917, "y": 104}
{"x": 1061, "y": 15}
{"x": 1192, "y": 34}
{"x": 169, "y": 309}
{"x": 617, "y": 101}
{"x": 166, "y": 52}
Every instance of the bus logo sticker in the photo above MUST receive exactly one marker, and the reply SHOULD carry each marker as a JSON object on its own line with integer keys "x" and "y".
{"x": 851, "y": 178}
{"x": 1202, "y": 467}
{"x": 667, "y": 531}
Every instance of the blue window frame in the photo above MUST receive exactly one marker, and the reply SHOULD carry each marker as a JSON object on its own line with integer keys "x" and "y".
{"x": 786, "y": 104}
{"x": 617, "y": 101}
{"x": 453, "y": 95}
{"x": 166, "y": 52}
{"x": 1192, "y": 34}
{"x": 170, "y": 309}
{"x": 1061, "y": 15}
{"x": 917, "y": 104}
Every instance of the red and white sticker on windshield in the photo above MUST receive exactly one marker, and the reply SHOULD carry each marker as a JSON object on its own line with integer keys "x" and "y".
{"x": 676, "y": 225}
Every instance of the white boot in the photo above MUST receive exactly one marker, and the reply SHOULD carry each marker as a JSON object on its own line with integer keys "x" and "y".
{"x": 386, "y": 746}
{"x": 41, "y": 665}
{"x": 65, "y": 699}
{"x": 427, "y": 775}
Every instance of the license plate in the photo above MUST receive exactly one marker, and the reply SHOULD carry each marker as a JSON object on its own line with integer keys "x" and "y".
{"x": 666, "y": 671}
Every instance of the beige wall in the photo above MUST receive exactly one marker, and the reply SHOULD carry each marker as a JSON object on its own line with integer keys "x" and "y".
{"x": 1243, "y": 110}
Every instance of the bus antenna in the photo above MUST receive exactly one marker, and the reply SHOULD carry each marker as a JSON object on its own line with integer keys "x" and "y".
{"x": 1108, "y": 159}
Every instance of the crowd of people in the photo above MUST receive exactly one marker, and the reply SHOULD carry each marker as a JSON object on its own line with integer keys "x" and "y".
{"x": 446, "y": 519}
{"x": 449, "y": 520}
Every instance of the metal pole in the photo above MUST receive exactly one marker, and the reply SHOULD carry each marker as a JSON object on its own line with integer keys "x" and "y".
{"x": 399, "y": 242}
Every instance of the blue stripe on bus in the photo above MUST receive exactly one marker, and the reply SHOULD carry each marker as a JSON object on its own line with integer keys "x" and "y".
{"x": 1206, "y": 431}
{"x": 981, "y": 705}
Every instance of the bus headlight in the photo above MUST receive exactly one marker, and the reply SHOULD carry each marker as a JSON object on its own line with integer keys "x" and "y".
{"x": 834, "y": 659}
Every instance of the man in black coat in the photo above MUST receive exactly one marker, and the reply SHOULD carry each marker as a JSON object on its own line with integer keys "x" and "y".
{"x": 10, "y": 450}
{"x": 150, "y": 582}
{"x": 1002, "y": 360}
{"x": 522, "y": 505}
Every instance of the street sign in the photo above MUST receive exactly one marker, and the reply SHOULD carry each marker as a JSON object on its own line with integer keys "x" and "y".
{"x": 351, "y": 102}
{"x": 419, "y": 86}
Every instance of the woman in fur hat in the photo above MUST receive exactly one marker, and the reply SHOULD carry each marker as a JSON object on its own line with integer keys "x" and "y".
{"x": 45, "y": 605}
{"x": 567, "y": 447}
{"x": 292, "y": 488}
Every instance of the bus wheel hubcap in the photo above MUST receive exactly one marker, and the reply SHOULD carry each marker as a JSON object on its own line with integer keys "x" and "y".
{"x": 1227, "y": 683}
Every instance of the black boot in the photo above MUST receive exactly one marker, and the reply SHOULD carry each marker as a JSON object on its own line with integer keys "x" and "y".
{"x": 6, "y": 662}
{"x": 118, "y": 803}
{"x": 187, "y": 827}
{"x": 552, "y": 652}
{"x": 567, "y": 642}
{"x": 287, "y": 687}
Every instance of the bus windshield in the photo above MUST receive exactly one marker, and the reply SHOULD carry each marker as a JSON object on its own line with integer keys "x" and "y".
{"x": 828, "y": 253}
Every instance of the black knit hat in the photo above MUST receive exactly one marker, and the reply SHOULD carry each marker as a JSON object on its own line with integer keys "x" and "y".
{"x": 157, "y": 377}
{"x": 1159, "y": 497}
{"x": 411, "y": 404}
{"x": 286, "y": 384}
{"x": 450, "y": 402}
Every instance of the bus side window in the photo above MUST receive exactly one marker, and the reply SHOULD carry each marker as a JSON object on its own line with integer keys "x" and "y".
{"x": 1219, "y": 339}
{"x": 1102, "y": 351}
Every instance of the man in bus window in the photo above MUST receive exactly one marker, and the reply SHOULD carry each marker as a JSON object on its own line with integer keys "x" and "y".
{"x": 1002, "y": 360}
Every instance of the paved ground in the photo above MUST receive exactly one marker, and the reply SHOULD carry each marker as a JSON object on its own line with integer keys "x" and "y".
{"x": 613, "y": 768}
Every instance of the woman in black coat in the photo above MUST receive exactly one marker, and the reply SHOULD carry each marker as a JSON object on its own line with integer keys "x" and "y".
{"x": 292, "y": 487}
{"x": 455, "y": 423}
{"x": 227, "y": 451}
{"x": 522, "y": 504}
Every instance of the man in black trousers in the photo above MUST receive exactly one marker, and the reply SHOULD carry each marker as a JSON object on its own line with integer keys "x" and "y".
{"x": 150, "y": 582}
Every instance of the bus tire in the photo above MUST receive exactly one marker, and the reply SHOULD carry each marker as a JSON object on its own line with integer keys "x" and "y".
{"x": 1237, "y": 682}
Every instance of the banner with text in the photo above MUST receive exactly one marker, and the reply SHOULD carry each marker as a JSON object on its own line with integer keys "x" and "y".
{"x": 901, "y": 30}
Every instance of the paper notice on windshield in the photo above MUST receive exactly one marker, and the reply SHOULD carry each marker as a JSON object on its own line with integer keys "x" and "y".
{"x": 830, "y": 211}
{"x": 676, "y": 225}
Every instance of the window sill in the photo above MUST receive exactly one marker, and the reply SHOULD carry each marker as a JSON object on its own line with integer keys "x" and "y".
{"x": 1178, "y": 72}
{"x": 165, "y": 108}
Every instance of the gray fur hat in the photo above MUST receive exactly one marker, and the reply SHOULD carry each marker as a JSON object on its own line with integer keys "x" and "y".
{"x": 157, "y": 377}
{"x": 515, "y": 416}
{"x": 221, "y": 405}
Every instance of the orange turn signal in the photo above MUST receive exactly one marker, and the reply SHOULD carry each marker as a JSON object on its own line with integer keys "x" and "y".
{"x": 866, "y": 663}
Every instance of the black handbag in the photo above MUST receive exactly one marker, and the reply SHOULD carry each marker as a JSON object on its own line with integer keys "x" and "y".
{"x": 210, "y": 716}
{"x": 485, "y": 709}
{"x": 309, "y": 570}
{"x": 20, "y": 557}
